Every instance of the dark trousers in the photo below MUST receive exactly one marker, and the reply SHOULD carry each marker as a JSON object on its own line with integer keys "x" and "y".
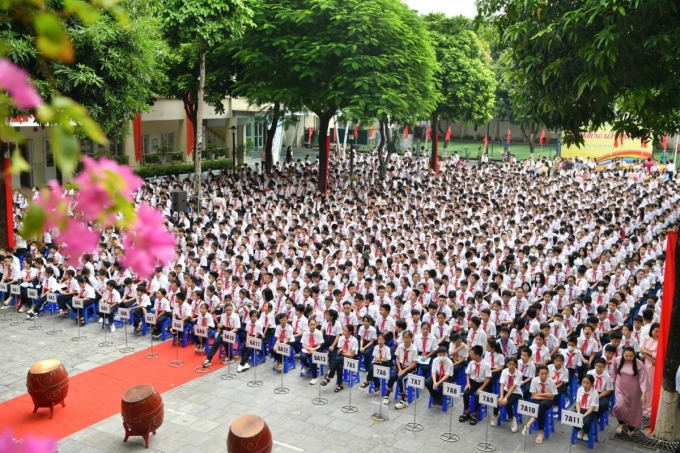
{"x": 64, "y": 301}
{"x": 394, "y": 377}
{"x": 588, "y": 420}
{"x": 429, "y": 385}
{"x": 159, "y": 323}
{"x": 474, "y": 386}
{"x": 604, "y": 405}
{"x": 137, "y": 315}
{"x": 200, "y": 341}
{"x": 306, "y": 360}
{"x": 543, "y": 407}
{"x": 108, "y": 316}
{"x": 510, "y": 406}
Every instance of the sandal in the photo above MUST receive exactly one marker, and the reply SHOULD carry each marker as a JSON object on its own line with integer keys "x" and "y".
{"x": 473, "y": 420}
{"x": 364, "y": 385}
{"x": 619, "y": 429}
{"x": 325, "y": 382}
{"x": 463, "y": 418}
{"x": 338, "y": 388}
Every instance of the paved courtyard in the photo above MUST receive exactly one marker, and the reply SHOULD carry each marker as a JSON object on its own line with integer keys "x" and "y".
{"x": 198, "y": 414}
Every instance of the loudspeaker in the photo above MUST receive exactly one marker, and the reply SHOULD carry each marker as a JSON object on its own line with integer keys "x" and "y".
{"x": 179, "y": 201}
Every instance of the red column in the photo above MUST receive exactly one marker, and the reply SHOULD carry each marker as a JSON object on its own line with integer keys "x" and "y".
{"x": 190, "y": 136}
{"x": 9, "y": 204}
{"x": 137, "y": 135}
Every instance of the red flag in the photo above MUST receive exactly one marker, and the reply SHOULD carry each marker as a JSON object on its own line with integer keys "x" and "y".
{"x": 371, "y": 131}
{"x": 616, "y": 143}
{"x": 486, "y": 142}
{"x": 406, "y": 131}
{"x": 542, "y": 137}
{"x": 335, "y": 134}
{"x": 310, "y": 132}
{"x": 665, "y": 323}
{"x": 447, "y": 137}
{"x": 509, "y": 135}
{"x": 664, "y": 142}
{"x": 643, "y": 142}
{"x": 621, "y": 139}
{"x": 356, "y": 132}
{"x": 428, "y": 133}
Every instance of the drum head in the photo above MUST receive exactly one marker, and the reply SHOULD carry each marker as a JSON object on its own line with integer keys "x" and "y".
{"x": 44, "y": 366}
{"x": 138, "y": 393}
{"x": 247, "y": 426}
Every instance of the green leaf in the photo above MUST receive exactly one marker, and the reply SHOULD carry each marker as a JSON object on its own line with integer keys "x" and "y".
{"x": 17, "y": 163}
{"x": 86, "y": 12}
{"x": 34, "y": 221}
{"x": 65, "y": 148}
{"x": 52, "y": 40}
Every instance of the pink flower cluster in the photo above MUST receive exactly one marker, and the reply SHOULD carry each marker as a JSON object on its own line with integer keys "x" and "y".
{"x": 14, "y": 81}
{"x": 104, "y": 197}
{"x": 28, "y": 444}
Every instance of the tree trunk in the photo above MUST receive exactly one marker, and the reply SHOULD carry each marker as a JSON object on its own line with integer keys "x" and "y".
{"x": 434, "y": 158}
{"x": 324, "y": 121}
{"x": 529, "y": 136}
{"x": 382, "y": 167}
{"x": 271, "y": 131}
{"x": 199, "y": 122}
{"x": 667, "y": 426}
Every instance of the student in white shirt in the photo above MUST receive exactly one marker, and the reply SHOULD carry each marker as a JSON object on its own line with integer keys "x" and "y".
{"x": 283, "y": 335}
{"x": 311, "y": 341}
{"x": 478, "y": 378}
{"x": 112, "y": 298}
{"x": 587, "y": 403}
{"x": 182, "y": 312}
{"x": 162, "y": 311}
{"x": 442, "y": 371}
{"x": 511, "y": 392}
{"x": 347, "y": 347}
{"x": 406, "y": 356}
{"x": 203, "y": 319}
{"x": 252, "y": 328}
{"x": 229, "y": 322}
{"x": 543, "y": 391}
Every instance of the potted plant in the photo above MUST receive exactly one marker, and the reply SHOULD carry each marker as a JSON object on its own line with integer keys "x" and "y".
{"x": 211, "y": 150}
{"x": 240, "y": 153}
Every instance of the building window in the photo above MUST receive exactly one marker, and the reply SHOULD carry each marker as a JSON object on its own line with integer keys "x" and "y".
{"x": 168, "y": 139}
{"x": 145, "y": 144}
{"x": 49, "y": 156}
{"x": 116, "y": 148}
{"x": 87, "y": 147}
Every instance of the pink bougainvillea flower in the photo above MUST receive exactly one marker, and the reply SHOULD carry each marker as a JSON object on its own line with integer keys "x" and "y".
{"x": 75, "y": 240}
{"x": 14, "y": 81}
{"x": 102, "y": 183}
{"x": 55, "y": 205}
{"x": 148, "y": 242}
{"x": 26, "y": 445}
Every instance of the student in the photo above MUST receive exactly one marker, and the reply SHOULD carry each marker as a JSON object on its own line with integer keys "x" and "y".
{"x": 229, "y": 322}
{"x": 381, "y": 355}
{"x": 367, "y": 342}
{"x": 539, "y": 352}
{"x": 495, "y": 359}
{"x": 442, "y": 371}
{"x": 588, "y": 347}
{"x": 204, "y": 319}
{"x": 268, "y": 323}
{"x": 476, "y": 336}
{"x": 507, "y": 345}
{"x": 406, "y": 361}
{"x": 427, "y": 347}
{"x": 560, "y": 374}
{"x": 543, "y": 391}
{"x": 347, "y": 347}
{"x": 602, "y": 384}
{"x": 511, "y": 392}
{"x": 182, "y": 312}
{"x": 140, "y": 309}
{"x": 311, "y": 342}
{"x": 458, "y": 351}
{"x": 573, "y": 357}
{"x": 253, "y": 328}
{"x": 49, "y": 285}
{"x": 162, "y": 311}
{"x": 283, "y": 335}
{"x": 528, "y": 370}
{"x": 331, "y": 330}
{"x": 478, "y": 375}
{"x": 587, "y": 403}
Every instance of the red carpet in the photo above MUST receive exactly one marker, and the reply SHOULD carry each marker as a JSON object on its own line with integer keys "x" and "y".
{"x": 96, "y": 394}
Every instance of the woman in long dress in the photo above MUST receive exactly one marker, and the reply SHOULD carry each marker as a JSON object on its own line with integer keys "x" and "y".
{"x": 632, "y": 386}
{"x": 648, "y": 351}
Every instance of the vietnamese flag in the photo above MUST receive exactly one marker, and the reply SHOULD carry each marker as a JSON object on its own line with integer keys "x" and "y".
{"x": 616, "y": 143}
{"x": 356, "y": 132}
{"x": 542, "y": 137}
{"x": 335, "y": 134}
{"x": 643, "y": 142}
{"x": 429, "y": 132}
{"x": 406, "y": 131}
{"x": 621, "y": 139}
{"x": 447, "y": 137}
{"x": 664, "y": 142}
{"x": 371, "y": 131}
{"x": 486, "y": 142}
{"x": 310, "y": 132}
{"x": 509, "y": 135}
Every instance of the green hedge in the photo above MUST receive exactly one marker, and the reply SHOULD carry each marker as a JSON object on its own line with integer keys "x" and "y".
{"x": 177, "y": 169}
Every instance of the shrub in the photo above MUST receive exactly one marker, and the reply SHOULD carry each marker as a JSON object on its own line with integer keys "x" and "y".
{"x": 178, "y": 169}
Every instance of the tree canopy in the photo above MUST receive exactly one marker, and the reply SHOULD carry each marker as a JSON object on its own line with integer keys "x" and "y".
{"x": 587, "y": 63}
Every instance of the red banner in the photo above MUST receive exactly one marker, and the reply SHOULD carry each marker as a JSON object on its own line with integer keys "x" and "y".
{"x": 447, "y": 137}
{"x": 190, "y": 136}
{"x": 664, "y": 325}
{"x": 356, "y": 132}
{"x": 310, "y": 133}
{"x": 9, "y": 204}
{"x": 371, "y": 131}
{"x": 137, "y": 135}
{"x": 406, "y": 131}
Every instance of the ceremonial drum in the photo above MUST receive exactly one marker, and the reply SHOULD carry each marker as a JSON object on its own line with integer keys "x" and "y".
{"x": 142, "y": 411}
{"x": 47, "y": 383}
{"x": 249, "y": 434}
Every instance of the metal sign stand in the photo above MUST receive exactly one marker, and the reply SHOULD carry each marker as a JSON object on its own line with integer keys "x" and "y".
{"x": 285, "y": 352}
{"x": 127, "y": 348}
{"x": 177, "y": 362}
{"x": 150, "y": 319}
{"x": 228, "y": 376}
{"x": 106, "y": 309}
{"x": 35, "y": 299}
{"x": 486, "y": 446}
{"x": 319, "y": 359}
{"x": 3, "y": 290}
{"x": 78, "y": 305}
{"x": 449, "y": 391}
{"x": 14, "y": 290}
{"x": 52, "y": 298}
{"x": 201, "y": 369}
{"x": 350, "y": 409}
{"x": 415, "y": 382}
{"x": 255, "y": 382}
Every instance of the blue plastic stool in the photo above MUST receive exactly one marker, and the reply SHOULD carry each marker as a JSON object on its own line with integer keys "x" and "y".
{"x": 461, "y": 379}
{"x": 288, "y": 362}
{"x": 612, "y": 401}
{"x": 503, "y": 415}
{"x": 446, "y": 401}
{"x": 603, "y": 420}
{"x": 592, "y": 436}
{"x": 260, "y": 356}
{"x": 350, "y": 378}
{"x": 549, "y": 424}
{"x": 573, "y": 389}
